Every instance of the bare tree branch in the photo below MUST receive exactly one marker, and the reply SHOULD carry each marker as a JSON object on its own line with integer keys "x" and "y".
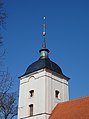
{"x": 3, "y": 14}
{"x": 8, "y": 99}
{"x": 5, "y": 81}
{"x": 8, "y": 105}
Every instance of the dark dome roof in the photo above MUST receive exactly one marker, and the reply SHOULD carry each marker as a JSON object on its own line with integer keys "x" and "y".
{"x": 44, "y": 63}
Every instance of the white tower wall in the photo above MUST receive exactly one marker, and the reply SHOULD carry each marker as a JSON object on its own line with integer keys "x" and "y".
{"x": 44, "y": 83}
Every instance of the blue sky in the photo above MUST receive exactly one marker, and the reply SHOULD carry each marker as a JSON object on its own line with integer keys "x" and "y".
{"x": 67, "y": 38}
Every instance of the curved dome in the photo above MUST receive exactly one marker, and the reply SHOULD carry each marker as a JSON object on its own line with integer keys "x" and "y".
{"x": 44, "y": 63}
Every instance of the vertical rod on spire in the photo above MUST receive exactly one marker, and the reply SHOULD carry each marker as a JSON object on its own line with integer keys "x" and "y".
{"x": 44, "y": 51}
{"x": 44, "y": 32}
{"x": 44, "y": 26}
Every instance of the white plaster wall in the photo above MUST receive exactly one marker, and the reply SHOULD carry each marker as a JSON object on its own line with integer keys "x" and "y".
{"x": 33, "y": 82}
{"x": 44, "y": 83}
{"x": 44, "y": 116}
{"x": 53, "y": 83}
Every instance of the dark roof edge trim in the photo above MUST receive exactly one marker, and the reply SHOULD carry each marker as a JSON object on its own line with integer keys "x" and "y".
{"x": 61, "y": 75}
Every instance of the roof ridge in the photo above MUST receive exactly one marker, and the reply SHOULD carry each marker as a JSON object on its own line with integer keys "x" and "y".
{"x": 84, "y": 97}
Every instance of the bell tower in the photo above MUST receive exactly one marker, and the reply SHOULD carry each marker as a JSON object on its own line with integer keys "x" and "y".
{"x": 42, "y": 87}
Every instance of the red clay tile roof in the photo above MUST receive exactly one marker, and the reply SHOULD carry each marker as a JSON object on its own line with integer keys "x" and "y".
{"x": 73, "y": 109}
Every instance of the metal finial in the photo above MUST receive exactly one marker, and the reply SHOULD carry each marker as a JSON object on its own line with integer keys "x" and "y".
{"x": 44, "y": 26}
{"x": 44, "y": 51}
{"x": 44, "y": 44}
{"x": 44, "y": 17}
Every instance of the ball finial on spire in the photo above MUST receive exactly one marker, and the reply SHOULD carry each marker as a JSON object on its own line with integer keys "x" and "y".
{"x": 44, "y": 51}
{"x": 44, "y": 26}
{"x": 44, "y": 17}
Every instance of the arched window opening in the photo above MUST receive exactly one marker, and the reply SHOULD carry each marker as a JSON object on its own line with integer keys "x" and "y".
{"x": 31, "y": 109}
{"x": 31, "y": 93}
{"x": 57, "y": 94}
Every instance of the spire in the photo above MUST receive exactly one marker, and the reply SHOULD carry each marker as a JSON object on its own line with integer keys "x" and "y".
{"x": 44, "y": 51}
{"x": 44, "y": 32}
{"x": 44, "y": 44}
{"x": 44, "y": 26}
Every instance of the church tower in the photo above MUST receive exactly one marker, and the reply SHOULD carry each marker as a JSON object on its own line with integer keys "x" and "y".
{"x": 42, "y": 87}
